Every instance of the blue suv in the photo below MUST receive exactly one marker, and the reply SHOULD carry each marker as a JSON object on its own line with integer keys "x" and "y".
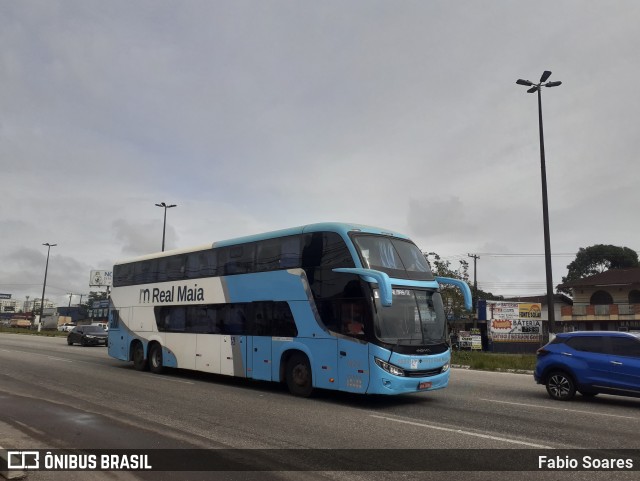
{"x": 590, "y": 362}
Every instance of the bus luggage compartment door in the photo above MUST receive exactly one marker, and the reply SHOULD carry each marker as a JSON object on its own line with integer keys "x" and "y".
{"x": 353, "y": 365}
{"x": 259, "y": 358}
{"x": 208, "y": 352}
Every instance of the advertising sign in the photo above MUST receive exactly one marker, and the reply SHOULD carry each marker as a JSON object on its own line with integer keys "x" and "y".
{"x": 101, "y": 279}
{"x": 514, "y": 321}
{"x": 5, "y": 296}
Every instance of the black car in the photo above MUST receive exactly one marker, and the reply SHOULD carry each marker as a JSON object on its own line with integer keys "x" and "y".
{"x": 88, "y": 336}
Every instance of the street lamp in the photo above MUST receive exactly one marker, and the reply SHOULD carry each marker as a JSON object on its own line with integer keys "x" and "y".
{"x": 164, "y": 227}
{"x": 44, "y": 285}
{"x": 545, "y": 208}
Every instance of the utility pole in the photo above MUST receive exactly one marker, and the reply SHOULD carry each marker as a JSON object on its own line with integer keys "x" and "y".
{"x": 475, "y": 280}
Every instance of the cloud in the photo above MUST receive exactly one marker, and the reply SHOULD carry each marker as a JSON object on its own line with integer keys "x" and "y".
{"x": 260, "y": 116}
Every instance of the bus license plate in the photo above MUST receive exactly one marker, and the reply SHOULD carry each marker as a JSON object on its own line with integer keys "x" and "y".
{"x": 424, "y": 385}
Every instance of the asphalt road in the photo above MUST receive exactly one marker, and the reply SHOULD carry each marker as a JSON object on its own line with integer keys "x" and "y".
{"x": 57, "y": 396}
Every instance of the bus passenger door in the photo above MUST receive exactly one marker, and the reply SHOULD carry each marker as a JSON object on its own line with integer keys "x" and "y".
{"x": 233, "y": 353}
{"x": 353, "y": 365}
{"x": 259, "y": 358}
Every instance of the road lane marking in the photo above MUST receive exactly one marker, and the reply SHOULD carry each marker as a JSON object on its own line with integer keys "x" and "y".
{"x": 165, "y": 378}
{"x": 58, "y": 358}
{"x": 466, "y": 433}
{"x": 635, "y": 418}
{"x": 37, "y": 354}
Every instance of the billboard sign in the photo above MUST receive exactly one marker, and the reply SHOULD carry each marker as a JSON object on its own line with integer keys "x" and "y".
{"x": 101, "y": 279}
{"x": 514, "y": 321}
{"x": 5, "y": 296}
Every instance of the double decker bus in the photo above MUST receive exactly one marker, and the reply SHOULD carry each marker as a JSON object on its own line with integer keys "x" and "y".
{"x": 332, "y": 306}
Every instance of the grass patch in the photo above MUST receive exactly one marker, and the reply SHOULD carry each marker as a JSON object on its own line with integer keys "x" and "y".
{"x": 490, "y": 361}
{"x": 34, "y": 332}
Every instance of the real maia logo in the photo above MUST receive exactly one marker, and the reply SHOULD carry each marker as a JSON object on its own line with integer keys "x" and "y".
{"x": 173, "y": 294}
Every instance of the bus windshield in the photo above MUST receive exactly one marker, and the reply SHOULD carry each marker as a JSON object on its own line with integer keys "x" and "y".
{"x": 396, "y": 257}
{"x": 416, "y": 317}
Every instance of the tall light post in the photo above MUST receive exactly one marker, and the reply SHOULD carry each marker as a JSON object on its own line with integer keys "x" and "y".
{"x": 545, "y": 207}
{"x": 44, "y": 284}
{"x": 164, "y": 226}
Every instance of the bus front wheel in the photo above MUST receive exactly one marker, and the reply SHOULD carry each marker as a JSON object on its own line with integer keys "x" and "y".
{"x": 155, "y": 359}
{"x": 298, "y": 374}
{"x": 139, "y": 362}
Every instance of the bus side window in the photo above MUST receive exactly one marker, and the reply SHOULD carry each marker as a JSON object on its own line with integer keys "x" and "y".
{"x": 290, "y": 252}
{"x": 208, "y": 263}
{"x": 352, "y": 314}
{"x": 201, "y": 264}
{"x": 145, "y": 272}
{"x": 162, "y": 315}
{"x": 175, "y": 268}
{"x": 123, "y": 275}
{"x": 237, "y": 320}
{"x": 268, "y": 255}
{"x": 279, "y": 253}
{"x": 114, "y": 316}
{"x": 177, "y": 319}
{"x": 262, "y": 315}
{"x": 202, "y": 319}
{"x": 283, "y": 323}
{"x": 192, "y": 267}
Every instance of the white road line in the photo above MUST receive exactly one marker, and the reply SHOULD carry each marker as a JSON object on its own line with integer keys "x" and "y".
{"x": 165, "y": 378}
{"x": 38, "y": 354}
{"x": 466, "y": 433}
{"x": 635, "y": 418}
{"x": 58, "y": 359}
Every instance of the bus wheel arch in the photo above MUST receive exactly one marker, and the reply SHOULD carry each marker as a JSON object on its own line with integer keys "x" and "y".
{"x": 140, "y": 363}
{"x": 297, "y": 373}
{"x": 156, "y": 365}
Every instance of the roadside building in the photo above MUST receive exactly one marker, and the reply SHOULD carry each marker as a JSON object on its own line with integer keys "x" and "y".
{"x": 609, "y": 301}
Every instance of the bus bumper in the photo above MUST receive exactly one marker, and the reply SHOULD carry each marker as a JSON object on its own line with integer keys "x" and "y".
{"x": 385, "y": 383}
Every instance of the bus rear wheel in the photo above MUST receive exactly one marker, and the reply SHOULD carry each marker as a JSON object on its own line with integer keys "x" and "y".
{"x": 298, "y": 375}
{"x": 139, "y": 362}
{"x": 155, "y": 359}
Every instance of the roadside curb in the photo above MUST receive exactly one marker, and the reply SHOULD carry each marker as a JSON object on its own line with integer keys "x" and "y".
{"x": 512, "y": 371}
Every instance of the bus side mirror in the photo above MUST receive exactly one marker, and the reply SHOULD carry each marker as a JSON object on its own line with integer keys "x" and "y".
{"x": 370, "y": 275}
{"x": 466, "y": 292}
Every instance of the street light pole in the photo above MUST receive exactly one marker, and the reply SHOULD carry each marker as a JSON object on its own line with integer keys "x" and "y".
{"x": 44, "y": 285}
{"x": 164, "y": 226}
{"x": 545, "y": 205}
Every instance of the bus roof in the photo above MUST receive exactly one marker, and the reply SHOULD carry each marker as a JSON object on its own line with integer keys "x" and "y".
{"x": 339, "y": 227}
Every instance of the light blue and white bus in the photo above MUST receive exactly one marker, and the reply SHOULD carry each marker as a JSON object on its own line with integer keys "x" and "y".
{"x": 330, "y": 306}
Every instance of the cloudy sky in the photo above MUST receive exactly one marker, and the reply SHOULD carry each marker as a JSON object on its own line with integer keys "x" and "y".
{"x": 259, "y": 115}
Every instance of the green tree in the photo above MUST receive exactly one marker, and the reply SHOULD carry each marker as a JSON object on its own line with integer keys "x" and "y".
{"x": 93, "y": 297}
{"x": 452, "y": 298}
{"x": 596, "y": 259}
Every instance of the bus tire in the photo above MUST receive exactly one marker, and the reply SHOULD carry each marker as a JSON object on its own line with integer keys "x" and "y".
{"x": 298, "y": 375}
{"x": 139, "y": 362}
{"x": 155, "y": 358}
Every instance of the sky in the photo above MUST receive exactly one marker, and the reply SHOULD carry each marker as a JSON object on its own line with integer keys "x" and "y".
{"x": 258, "y": 115}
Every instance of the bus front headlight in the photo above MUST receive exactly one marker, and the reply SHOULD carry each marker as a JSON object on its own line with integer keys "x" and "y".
{"x": 390, "y": 368}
